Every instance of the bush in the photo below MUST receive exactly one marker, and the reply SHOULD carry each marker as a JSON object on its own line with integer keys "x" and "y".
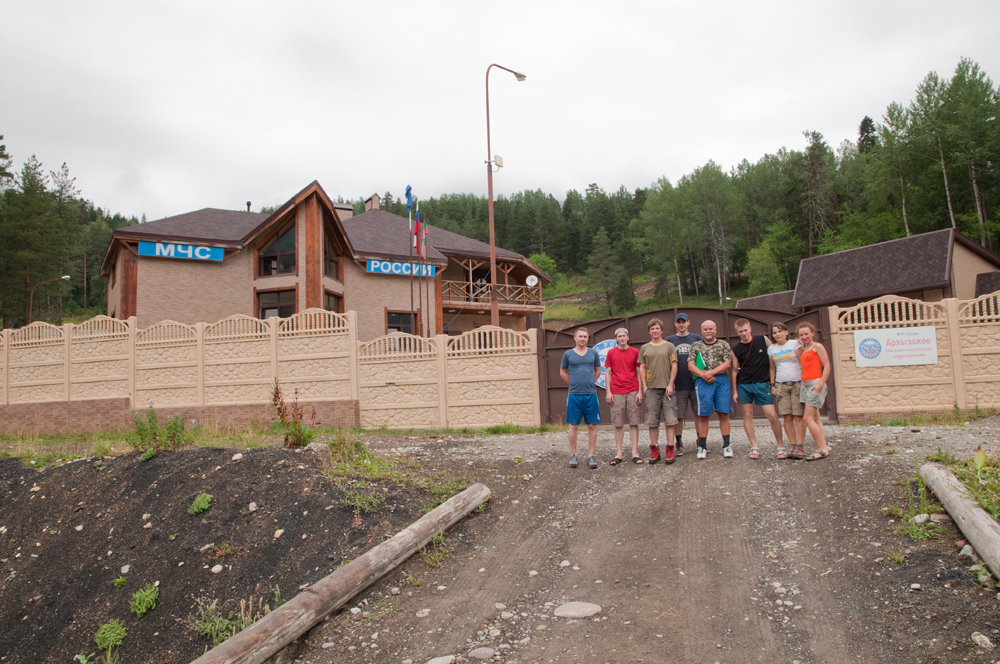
{"x": 201, "y": 503}
{"x": 110, "y": 635}
{"x": 144, "y": 600}
{"x": 150, "y": 436}
{"x": 291, "y": 416}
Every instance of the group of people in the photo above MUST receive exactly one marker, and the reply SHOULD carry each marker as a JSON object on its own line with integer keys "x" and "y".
{"x": 785, "y": 376}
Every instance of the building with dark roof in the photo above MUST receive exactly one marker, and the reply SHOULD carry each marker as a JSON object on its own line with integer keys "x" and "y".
{"x": 206, "y": 265}
{"x": 929, "y": 267}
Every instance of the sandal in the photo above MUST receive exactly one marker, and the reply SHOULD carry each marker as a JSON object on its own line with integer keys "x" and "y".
{"x": 616, "y": 461}
{"x": 816, "y": 456}
{"x": 796, "y": 453}
{"x": 781, "y": 453}
{"x": 637, "y": 460}
{"x": 754, "y": 453}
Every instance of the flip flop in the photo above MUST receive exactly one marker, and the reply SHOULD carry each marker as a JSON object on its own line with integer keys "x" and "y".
{"x": 816, "y": 456}
{"x": 616, "y": 461}
{"x": 754, "y": 453}
{"x": 637, "y": 460}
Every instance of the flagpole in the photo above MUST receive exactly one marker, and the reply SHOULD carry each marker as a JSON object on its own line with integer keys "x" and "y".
{"x": 409, "y": 243}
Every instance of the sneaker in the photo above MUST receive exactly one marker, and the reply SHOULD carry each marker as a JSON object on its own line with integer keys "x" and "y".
{"x": 727, "y": 451}
{"x": 702, "y": 452}
{"x": 654, "y": 455}
{"x": 592, "y": 462}
{"x": 668, "y": 454}
{"x": 572, "y": 461}
{"x": 679, "y": 448}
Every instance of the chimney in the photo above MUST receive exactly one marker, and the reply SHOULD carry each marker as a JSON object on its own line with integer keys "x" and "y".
{"x": 373, "y": 203}
{"x": 248, "y": 206}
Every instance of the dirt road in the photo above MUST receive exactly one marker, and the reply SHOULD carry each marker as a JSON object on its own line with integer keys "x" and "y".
{"x": 722, "y": 560}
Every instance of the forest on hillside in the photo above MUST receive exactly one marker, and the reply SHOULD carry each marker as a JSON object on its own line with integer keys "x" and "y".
{"x": 928, "y": 163}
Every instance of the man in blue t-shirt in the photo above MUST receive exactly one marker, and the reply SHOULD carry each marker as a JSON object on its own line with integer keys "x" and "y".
{"x": 684, "y": 384}
{"x": 580, "y": 368}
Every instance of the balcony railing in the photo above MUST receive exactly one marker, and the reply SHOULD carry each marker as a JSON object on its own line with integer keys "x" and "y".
{"x": 509, "y": 295}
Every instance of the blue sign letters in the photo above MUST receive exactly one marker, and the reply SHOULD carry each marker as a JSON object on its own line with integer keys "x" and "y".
{"x": 171, "y": 250}
{"x": 402, "y": 268}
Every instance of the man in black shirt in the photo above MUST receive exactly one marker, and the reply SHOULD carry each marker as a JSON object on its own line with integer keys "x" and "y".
{"x": 752, "y": 382}
{"x": 684, "y": 383}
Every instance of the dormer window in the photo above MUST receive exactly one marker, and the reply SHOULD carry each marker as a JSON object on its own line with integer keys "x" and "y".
{"x": 278, "y": 255}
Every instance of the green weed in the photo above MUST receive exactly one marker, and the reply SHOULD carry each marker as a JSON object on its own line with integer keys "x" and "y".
{"x": 201, "y": 503}
{"x": 381, "y": 608}
{"x": 150, "y": 436}
{"x": 119, "y": 582}
{"x": 897, "y": 557}
{"x": 943, "y": 456}
{"x": 110, "y": 636}
{"x": 918, "y": 501}
{"x": 361, "y": 501}
{"x": 981, "y": 476}
{"x": 441, "y": 488}
{"x": 508, "y": 428}
{"x": 291, "y": 416}
{"x": 85, "y": 659}
{"x": 147, "y": 455}
{"x": 144, "y": 600}
{"x": 891, "y": 451}
{"x": 173, "y": 537}
{"x": 436, "y": 551}
{"x": 208, "y": 620}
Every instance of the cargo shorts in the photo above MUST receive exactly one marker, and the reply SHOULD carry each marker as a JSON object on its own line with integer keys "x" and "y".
{"x": 660, "y": 409}
{"x": 786, "y": 398}
{"x": 624, "y": 410}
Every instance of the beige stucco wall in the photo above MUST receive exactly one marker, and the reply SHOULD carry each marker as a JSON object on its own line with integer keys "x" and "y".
{"x": 965, "y": 266}
{"x": 115, "y": 290}
{"x": 189, "y": 292}
{"x": 371, "y": 294}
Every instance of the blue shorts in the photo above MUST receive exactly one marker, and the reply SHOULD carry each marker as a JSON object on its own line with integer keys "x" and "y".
{"x": 582, "y": 407}
{"x": 758, "y": 393}
{"x": 714, "y": 397}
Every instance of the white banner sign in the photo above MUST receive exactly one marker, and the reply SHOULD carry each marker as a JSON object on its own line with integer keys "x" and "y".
{"x": 895, "y": 347}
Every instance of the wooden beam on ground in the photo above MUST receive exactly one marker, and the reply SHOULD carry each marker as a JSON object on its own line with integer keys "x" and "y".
{"x": 259, "y": 642}
{"x": 979, "y": 527}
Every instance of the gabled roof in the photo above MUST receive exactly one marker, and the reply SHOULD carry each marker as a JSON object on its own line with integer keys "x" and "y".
{"x": 381, "y": 234}
{"x": 908, "y": 264}
{"x": 205, "y": 225}
{"x": 772, "y": 302}
{"x": 987, "y": 282}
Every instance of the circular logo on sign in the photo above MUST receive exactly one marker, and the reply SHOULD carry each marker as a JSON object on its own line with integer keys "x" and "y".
{"x": 602, "y": 349}
{"x": 870, "y": 348}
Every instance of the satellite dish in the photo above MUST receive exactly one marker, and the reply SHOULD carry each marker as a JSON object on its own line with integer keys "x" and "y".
{"x": 532, "y": 281}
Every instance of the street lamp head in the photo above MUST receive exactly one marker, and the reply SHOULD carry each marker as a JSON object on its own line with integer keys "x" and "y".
{"x": 65, "y": 277}
{"x": 520, "y": 76}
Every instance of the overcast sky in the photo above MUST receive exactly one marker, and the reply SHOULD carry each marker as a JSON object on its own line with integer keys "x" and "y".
{"x": 166, "y": 107}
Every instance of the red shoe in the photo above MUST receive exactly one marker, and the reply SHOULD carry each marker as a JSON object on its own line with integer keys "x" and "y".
{"x": 654, "y": 454}
{"x": 668, "y": 454}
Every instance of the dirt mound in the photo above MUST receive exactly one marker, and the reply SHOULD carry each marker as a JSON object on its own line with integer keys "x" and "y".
{"x": 67, "y": 533}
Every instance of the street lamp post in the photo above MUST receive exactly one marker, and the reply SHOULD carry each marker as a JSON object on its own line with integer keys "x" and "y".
{"x": 31, "y": 296}
{"x": 494, "y": 302}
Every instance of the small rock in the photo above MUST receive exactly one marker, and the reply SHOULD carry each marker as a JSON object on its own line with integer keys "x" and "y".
{"x": 967, "y": 552}
{"x": 237, "y": 456}
{"x": 405, "y": 661}
{"x": 915, "y": 586}
{"x": 252, "y": 507}
{"x": 482, "y": 653}
{"x": 921, "y": 518}
{"x": 328, "y": 645}
{"x": 278, "y": 533}
{"x": 148, "y": 525}
{"x": 145, "y": 517}
{"x": 440, "y": 588}
{"x": 533, "y": 573}
{"x": 499, "y": 606}
{"x": 494, "y": 633}
{"x": 216, "y": 569}
{"x": 915, "y": 430}
{"x": 79, "y": 528}
{"x": 393, "y": 591}
{"x": 447, "y": 659}
{"x": 503, "y": 646}
{"x": 575, "y": 568}
{"x": 423, "y": 613}
{"x": 940, "y": 518}
{"x": 564, "y": 563}
{"x": 126, "y": 568}
{"x": 982, "y": 641}
{"x": 576, "y": 610}
{"x": 540, "y": 628}
{"x": 506, "y": 615}
{"x": 355, "y": 610}
{"x": 35, "y": 488}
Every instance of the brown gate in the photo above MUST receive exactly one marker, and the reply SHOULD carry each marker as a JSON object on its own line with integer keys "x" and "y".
{"x": 553, "y": 344}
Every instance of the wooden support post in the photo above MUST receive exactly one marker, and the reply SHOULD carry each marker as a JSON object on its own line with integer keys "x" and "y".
{"x": 259, "y": 642}
{"x": 982, "y": 531}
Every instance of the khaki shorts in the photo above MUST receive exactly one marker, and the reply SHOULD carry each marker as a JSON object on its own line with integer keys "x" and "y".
{"x": 660, "y": 408}
{"x": 682, "y": 398}
{"x": 808, "y": 397}
{"x": 624, "y": 410}
{"x": 787, "y": 399}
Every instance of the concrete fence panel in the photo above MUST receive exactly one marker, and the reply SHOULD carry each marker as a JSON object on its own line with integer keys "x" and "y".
{"x": 238, "y": 361}
{"x": 100, "y": 359}
{"x": 314, "y": 355}
{"x": 167, "y": 365}
{"x": 400, "y": 381}
{"x": 37, "y": 369}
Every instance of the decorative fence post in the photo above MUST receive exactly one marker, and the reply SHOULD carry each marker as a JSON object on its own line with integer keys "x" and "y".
{"x": 68, "y": 334}
{"x": 955, "y": 351}
{"x": 272, "y": 324}
{"x": 442, "y": 373}
{"x": 131, "y": 362}
{"x": 6, "y": 366}
{"x": 352, "y": 340}
{"x": 199, "y": 329}
{"x": 836, "y": 360}
{"x": 533, "y": 339}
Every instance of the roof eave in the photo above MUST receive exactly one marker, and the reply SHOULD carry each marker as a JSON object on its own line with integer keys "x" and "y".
{"x": 867, "y": 296}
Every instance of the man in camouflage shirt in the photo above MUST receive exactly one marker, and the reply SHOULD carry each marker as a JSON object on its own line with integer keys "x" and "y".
{"x": 709, "y": 361}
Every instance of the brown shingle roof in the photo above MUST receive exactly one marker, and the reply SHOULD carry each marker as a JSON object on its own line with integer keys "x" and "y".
{"x": 897, "y": 266}
{"x": 386, "y": 235}
{"x": 987, "y": 282}
{"x": 772, "y": 302}
{"x": 206, "y": 225}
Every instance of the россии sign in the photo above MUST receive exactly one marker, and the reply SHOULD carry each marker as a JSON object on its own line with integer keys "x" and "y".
{"x": 173, "y": 250}
{"x": 400, "y": 267}
{"x": 895, "y": 347}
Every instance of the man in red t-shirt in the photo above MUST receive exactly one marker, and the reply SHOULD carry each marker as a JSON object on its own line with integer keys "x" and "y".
{"x": 621, "y": 368}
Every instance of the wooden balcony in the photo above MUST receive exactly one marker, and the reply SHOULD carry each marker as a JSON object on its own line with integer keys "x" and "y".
{"x": 512, "y": 298}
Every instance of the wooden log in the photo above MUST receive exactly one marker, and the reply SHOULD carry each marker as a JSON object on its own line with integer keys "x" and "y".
{"x": 979, "y": 527}
{"x": 259, "y": 642}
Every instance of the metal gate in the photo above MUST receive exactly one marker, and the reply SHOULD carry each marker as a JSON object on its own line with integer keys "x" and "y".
{"x": 553, "y": 344}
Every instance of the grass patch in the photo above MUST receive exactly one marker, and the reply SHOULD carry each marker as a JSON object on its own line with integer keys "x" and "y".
{"x": 149, "y": 435}
{"x": 441, "y": 488}
{"x": 144, "y": 600}
{"x": 226, "y": 549}
{"x": 362, "y": 501}
{"x": 381, "y": 609}
{"x": 981, "y": 476}
{"x": 942, "y": 456}
{"x": 201, "y": 503}
{"x": 954, "y": 416}
{"x": 897, "y": 557}
{"x": 208, "y": 619}
{"x": 917, "y": 500}
{"x": 436, "y": 551}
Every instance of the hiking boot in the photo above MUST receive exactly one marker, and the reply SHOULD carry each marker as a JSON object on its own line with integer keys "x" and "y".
{"x": 727, "y": 451}
{"x": 592, "y": 462}
{"x": 702, "y": 452}
{"x": 679, "y": 448}
{"x": 573, "y": 461}
{"x": 668, "y": 454}
{"x": 654, "y": 455}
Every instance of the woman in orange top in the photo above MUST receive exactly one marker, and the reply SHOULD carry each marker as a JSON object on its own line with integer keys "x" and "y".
{"x": 815, "y": 372}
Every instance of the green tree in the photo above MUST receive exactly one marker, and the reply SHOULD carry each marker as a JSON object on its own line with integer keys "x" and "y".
{"x": 623, "y": 296}
{"x": 765, "y": 275}
{"x": 602, "y": 273}
{"x": 867, "y": 135}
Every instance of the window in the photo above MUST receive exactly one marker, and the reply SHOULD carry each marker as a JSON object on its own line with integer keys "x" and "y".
{"x": 332, "y": 302}
{"x": 331, "y": 258}
{"x": 276, "y": 303}
{"x": 278, "y": 255}
{"x": 399, "y": 321}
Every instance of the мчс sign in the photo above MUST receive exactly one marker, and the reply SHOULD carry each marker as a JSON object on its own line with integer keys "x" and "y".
{"x": 171, "y": 250}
